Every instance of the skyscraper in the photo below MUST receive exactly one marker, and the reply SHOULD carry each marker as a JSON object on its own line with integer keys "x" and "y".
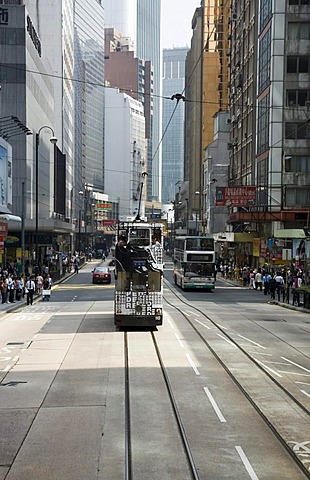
{"x": 173, "y": 141}
{"x": 140, "y": 20}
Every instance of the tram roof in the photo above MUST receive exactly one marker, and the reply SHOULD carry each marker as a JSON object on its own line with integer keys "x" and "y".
{"x": 191, "y": 237}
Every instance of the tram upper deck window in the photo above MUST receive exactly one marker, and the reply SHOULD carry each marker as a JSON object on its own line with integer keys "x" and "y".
{"x": 140, "y": 237}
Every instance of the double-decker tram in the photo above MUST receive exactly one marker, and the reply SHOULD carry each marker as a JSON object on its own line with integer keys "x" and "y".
{"x": 194, "y": 262}
{"x": 138, "y": 275}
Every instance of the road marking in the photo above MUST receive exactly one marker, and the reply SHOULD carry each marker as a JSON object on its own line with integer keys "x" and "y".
{"x": 192, "y": 364}
{"x": 226, "y": 340}
{"x": 302, "y": 383}
{"x": 295, "y": 373}
{"x": 264, "y": 353}
{"x": 246, "y": 463}
{"x": 72, "y": 314}
{"x": 170, "y": 323}
{"x": 306, "y": 393}
{"x": 179, "y": 340}
{"x": 222, "y": 326}
{"x": 214, "y": 405}
{"x": 201, "y": 323}
{"x": 296, "y": 364}
{"x": 276, "y": 363}
{"x": 7, "y": 368}
{"x": 268, "y": 368}
{"x": 254, "y": 343}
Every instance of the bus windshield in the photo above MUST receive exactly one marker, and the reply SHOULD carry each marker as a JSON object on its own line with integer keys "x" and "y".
{"x": 200, "y": 269}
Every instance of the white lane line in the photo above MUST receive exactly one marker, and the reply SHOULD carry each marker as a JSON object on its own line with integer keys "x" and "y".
{"x": 306, "y": 393}
{"x": 268, "y": 368}
{"x": 303, "y": 383}
{"x": 170, "y": 323}
{"x": 192, "y": 364}
{"x": 187, "y": 314}
{"x": 276, "y": 363}
{"x": 251, "y": 341}
{"x": 295, "y": 373}
{"x": 15, "y": 359}
{"x": 246, "y": 463}
{"x": 226, "y": 340}
{"x": 214, "y": 405}
{"x": 222, "y": 326}
{"x": 201, "y": 323}
{"x": 179, "y": 340}
{"x": 7, "y": 368}
{"x": 296, "y": 364}
{"x": 264, "y": 353}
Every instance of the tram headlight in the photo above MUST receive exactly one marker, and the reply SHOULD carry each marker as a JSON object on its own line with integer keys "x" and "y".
{"x": 138, "y": 308}
{"x": 158, "y": 313}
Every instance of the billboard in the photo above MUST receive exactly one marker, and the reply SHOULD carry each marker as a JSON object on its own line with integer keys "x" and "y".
{"x": 235, "y": 196}
{"x": 5, "y": 176}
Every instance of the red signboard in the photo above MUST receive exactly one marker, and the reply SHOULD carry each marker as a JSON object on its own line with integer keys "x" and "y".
{"x": 103, "y": 206}
{"x": 109, "y": 223}
{"x": 235, "y": 196}
{"x": 1, "y": 242}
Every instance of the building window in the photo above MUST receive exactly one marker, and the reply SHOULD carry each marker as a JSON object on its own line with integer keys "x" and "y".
{"x": 298, "y": 31}
{"x": 297, "y": 196}
{"x": 264, "y": 61}
{"x": 297, "y": 164}
{"x": 298, "y": 64}
{"x": 263, "y": 125}
{"x": 297, "y": 131}
{"x": 299, "y": 2}
{"x": 297, "y": 97}
{"x": 265, "y": 13}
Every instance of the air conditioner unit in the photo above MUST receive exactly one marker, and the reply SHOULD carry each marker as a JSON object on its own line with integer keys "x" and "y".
{"x": 233, "y": 118}
{"x": 238, "y": 112}
{"x": 233, "y": 90}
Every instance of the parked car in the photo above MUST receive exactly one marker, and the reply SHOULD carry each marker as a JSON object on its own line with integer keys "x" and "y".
{"x": 101, "y": 275}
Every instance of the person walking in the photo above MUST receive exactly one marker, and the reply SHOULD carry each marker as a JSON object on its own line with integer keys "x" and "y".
{"x": 266, "y": 280}
{"x": 76, "y": 265}
{"x": 30, "y": 288}
{"x": 11, "y": 289}
{"x": 258, "y": 281}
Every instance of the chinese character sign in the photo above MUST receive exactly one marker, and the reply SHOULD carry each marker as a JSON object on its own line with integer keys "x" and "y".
{"x": 4, "y": 16}
{"x": 235, "y": 196}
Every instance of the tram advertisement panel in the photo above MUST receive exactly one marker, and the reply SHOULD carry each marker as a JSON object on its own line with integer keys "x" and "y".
{"x": 137, "y": 303}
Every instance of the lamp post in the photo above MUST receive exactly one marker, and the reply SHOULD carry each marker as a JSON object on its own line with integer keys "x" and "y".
{"x": 53, "y": 140}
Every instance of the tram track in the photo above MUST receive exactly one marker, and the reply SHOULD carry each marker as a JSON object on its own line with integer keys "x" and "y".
{"x": 303, "y": 465}
{"x": 129, "y": 457}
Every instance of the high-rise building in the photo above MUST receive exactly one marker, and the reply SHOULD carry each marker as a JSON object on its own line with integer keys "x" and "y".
{"x": 89, "y": 95}
{"x": 270, "y": 102}
{"x": 206, "y": 93}
{"x": 125, "y": 150}
{"x": 140, "y": 21}
{"x": 173, "y": 140}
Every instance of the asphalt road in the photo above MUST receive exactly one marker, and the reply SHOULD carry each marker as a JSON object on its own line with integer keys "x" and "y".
{"x": 62, "y": 384}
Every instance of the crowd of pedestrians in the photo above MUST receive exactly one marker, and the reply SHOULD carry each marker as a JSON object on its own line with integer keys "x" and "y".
{"x": 14, "y": 288}
{"x": 272, "y": 282}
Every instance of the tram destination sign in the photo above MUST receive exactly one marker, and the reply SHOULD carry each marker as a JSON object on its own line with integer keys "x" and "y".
{"x": 235, "y": 196}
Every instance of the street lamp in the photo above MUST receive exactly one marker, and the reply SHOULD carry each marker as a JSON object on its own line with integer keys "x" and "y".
{"x": 53, "y": 140}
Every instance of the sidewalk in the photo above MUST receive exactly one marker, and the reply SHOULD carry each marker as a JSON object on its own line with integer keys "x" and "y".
{"x": 11, "y": 307}
{"x": 236, "y": 283}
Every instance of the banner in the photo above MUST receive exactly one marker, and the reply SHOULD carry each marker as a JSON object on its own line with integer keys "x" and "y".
{"x": 235, "y": 196}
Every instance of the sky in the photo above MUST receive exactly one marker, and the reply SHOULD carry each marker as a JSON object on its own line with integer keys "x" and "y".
{"x": 177, "y": 18}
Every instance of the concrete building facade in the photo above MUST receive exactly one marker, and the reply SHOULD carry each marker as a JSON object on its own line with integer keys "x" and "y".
{"x": 125, "y": 153}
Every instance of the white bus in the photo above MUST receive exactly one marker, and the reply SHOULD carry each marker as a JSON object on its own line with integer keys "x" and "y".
{"x": 194, "y": 262}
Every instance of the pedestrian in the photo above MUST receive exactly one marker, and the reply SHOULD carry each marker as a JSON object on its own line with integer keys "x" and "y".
{"x": 30, "y": 288}
{"x": 258, "y": 280}
{"x": 19, "y": 288}
{"x": 11, "y": 289}
{"x": 3, "y": 288}
{"x": 252, "y": 279}
{"x": 39, "y": 283}
{"x": 272, "y": 288}
{"x": 266, "y": 280}
{"x": 76, "y": 265}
